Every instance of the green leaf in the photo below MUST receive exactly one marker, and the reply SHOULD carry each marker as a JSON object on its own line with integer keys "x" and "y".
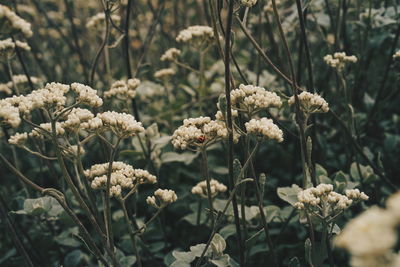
{"x": 192, "y": 218}
{"x": 127, "y": 261}
{"x": 74, "y": 258}
{"x": 67, "y": 238}
{"x": 319, "y": 170}
{"x": 37, "y": 206}
{"x": 271, "y": 212}
{"x": 218, "y": 244}
{"x": 180, "y": 263}
{"x": 185, "y": 157}
{"x": 222, "y": 261}
{"x": 187, "y": 257}
{"x": 197, "y": 250}
{"x": 228, "y": 230}
{"x": 289, "y": 194}
{"x": 220, "y": 170}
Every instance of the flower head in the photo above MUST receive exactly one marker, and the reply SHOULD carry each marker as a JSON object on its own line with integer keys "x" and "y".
{"x": 162, "y": 198}
{"x": 264, "y": 128}
{"x": 12, "y": 23}
{"x": 201, "y": 188}
{"x": 311, "y": 103}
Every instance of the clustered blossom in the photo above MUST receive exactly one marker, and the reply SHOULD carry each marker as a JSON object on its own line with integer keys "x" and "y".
{"x": 18, "y": 139}
{"x": 195, "y": 34}
{"x": 164, "y": 73}
{"x": 7, "y": 47}
{"x": 199, "y": 132}
{"x": 324, "y": 200}
{"x": 97, "y": 21}
{"x": 9, "y": 114}
{"x": 264, "y": 128}
{"x": 123, "y": 89}
{"x": 76, "y": 118}
{"x": 201, "y": 188}
{"x": 16, "y": 79}
{"x": 311, "y": 103}
{"x": 122, "y": 124}
{"x": 123, "y": 176}
{"x": 86, "y": 95}
{"x": 52, "y": 97}
{"x": 73, "y": 151}
{"x": 339, "y": 59}
{"x": 161, "y": 198}
{"x": 396, "y": 55}
{"x": 171, "y": 54}
{"x": 250, "y": 98}
{"x": 44, "y": 129}
{"x": 248, "y": 3}
{"x": 222, "y": 117}
{"x": 12, "y": 23}
{"x": 371, "y": 237}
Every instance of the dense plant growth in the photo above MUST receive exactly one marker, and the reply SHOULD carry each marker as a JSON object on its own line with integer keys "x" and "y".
{"x": 199, "y": 133}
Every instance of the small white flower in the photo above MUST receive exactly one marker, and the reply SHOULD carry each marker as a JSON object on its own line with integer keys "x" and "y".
{"x": 196, "y": 34}
{"x": 13, "y": 23}
{"x": 201, "y": 188}
{"x": 311, "y": 103}
{"x": 264, "y": 128}
{"x": 18, "y": 139}
{"x": 164, "y": 197}
{"x": 171, "y": 54}
{"x": 164, "y": 73}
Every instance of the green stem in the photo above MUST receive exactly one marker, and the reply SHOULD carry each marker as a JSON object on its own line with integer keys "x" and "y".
{"x": 107, "y": 209}
{"x": 208, "y": 181}
{"x": 131, "y": 233}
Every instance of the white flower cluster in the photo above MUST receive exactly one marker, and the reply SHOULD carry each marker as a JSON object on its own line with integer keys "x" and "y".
{"x": 199, "y": 132}
{"x": 51, "y": 96}
{"x": 311, "y": 103}
{"x": 7, "y": 47}
{"x": 323, "y": 198}
{"x": 72, "y": 151}
{"x": 122, "y": 124}
{"x": 87, "y": 95}
{"x": 76, "y": 118}
{"x": 9, "y": 114}
{"x": 123, "y": 89}
{"x": 45, "y": 128}
{"x": 97, "y": 21}
{"x": 248, "y": 3}
{"x": 371, "y": 237}
{"x": 195, "y": 34}
{"x": 18, "y": 139}
{"x": 123, "y": 176}
{"x": 254, "y": 98}
{"x": 339, "y": 59}
{"x": 264, "y": 128}
{"x": 16, "y": 79}
{"x": 12, "y": 23}
{"x": 161, "y": 198}
{"x": 171, "y": 54}
{"x": 396, "y": 55}
{"x": 5, "y": 88}
{"x": 164, "y": 73}
{"x": 201, "y": 188}
{"x": 222, "y": 117}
